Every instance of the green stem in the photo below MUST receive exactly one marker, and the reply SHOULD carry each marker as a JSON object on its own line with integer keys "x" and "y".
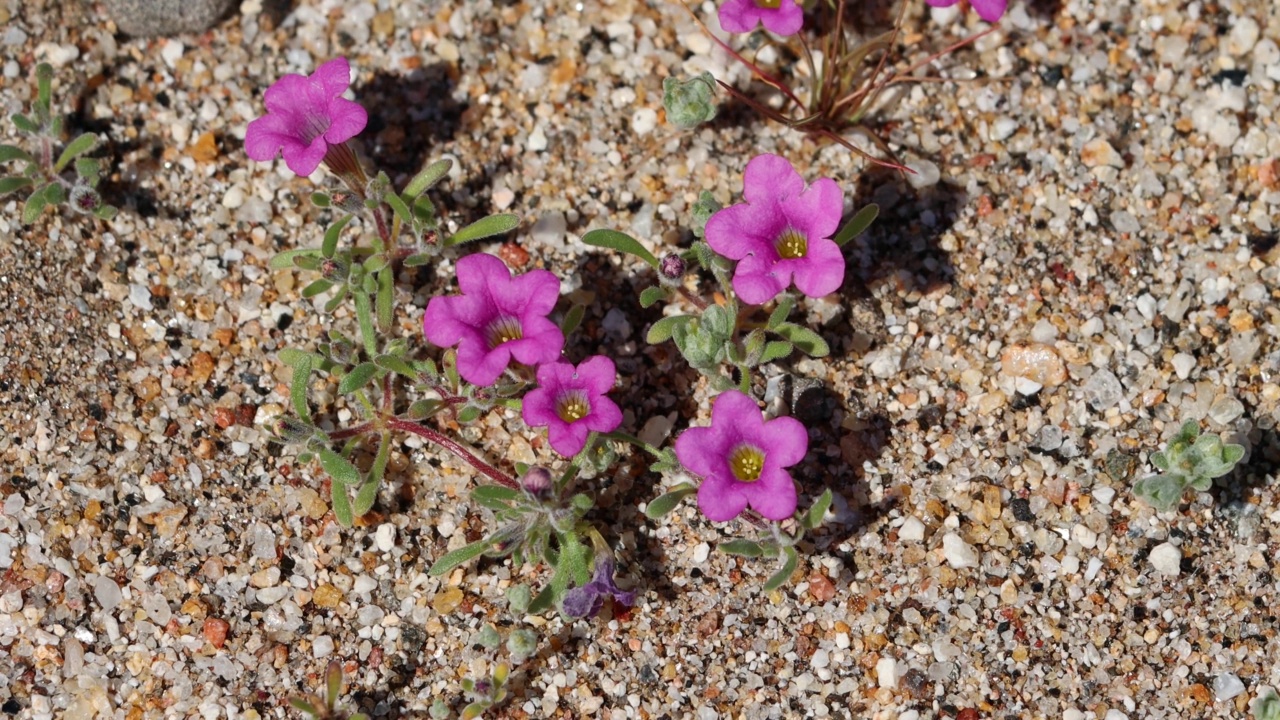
{"x": 626, "y": 438}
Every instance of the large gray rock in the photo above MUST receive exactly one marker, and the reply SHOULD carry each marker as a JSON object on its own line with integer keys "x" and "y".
{"x": 166, "y": 17}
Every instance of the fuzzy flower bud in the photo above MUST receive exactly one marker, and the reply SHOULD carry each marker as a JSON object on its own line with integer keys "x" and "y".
{"x": 672, "y": 267}
{"x": 537, "y": 482}
{"x": 689, "y": 103}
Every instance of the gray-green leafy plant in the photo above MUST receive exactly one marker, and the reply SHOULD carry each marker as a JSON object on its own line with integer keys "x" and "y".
{"x": 1191, "y": 460}
{"x": 325, "y": 708}
{"x": 689, "y": 103}
{"x": 1267, "y": 706}
{"x": 44, "y": 169}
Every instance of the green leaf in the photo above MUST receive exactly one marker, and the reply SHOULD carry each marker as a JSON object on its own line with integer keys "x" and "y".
{"x": 81, "y": 145}
{"x": 321, "y": 200}
{"x": 298, "y": 386}
{"x": 330, "y": 245}
{"x": 304, "y": 706}
{"x": 359, "y": 376}
{"x": 1232, "y": 454}
{"x": 621, "y": 242}
{"x": 776, "y": 580}
{"x": 745, "y": 548}
{"x": 54, "y": 193}
{"x": 775, "y": 350}
{"x": 857, "y": 224}
{"x": 342, "y": 470}
{"x": 399, "y": 207}
{"x": 818, "y": 510}
{"x": 366, "y": 496}
{"x": 332, "y": 683}
{"x": 651, "y": 295}
{"x": 341, "y": 504}
{"x": 483, "y": 228}
{"x": 781, "y": 311}
{"x": 416, "y": 260}
{"x": 495, "y": 497}
{"x": 572, "y": 319}
{"x": 9, "y": 184}
{"x": 809, "y": 342}
{"x": 430, "y": 175}
{"x": 1160, "y": 460}
{"x": 383, "y": 301}
{"x": 543, "y": 601}
{"x": 12, "y": 152}
{"x": 36, "y": 203}
{"x": 665, "y": 503}
{"x": 463, "y": 554}
{"x": 396, "y": 365}
{"x": 25, "y": 124}
{"x": 316, "y": 287}
{"x": 89, "y": 169}
{"x": 44, "y": 85}
{"x": 422, "y": 409}
{"x": 105, "y": 212}
{"x": 468, "y": 414}
{"x": 1163, "y": 492}
{"x": 662, "y": 330}
{"x": 284, "y": 260}
{"x": 474, "y": 710}
{"x": 364, "y": 316}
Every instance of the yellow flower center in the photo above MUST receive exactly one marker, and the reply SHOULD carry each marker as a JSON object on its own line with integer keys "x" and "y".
{"x": 746, "y": 462}
{"x": 504, "y": 329}
{"x": 572, "y": 406}
{"x": 792, "y": 244}
{"x": 769, "y": 4}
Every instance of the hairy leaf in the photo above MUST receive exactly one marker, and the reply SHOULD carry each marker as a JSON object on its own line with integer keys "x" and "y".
{"x": 9, "y": 184}
{"x": 745, "y": 548}
{"x": 857, "y": 224}
{"x": 359, "y": 376}
{"x": 451, "y": 560}
{"x": 339, "y": 468}
{"x": 430, "y": 175}
{"x": 341, "y": 504}
{"x": 12, "y": 152}
{"x": 621, "y": 242}
{"x": 81, "y": 145}
{"x": 665, "y": 503}
{"x": 776, "y": 580}
{"x": 651, "y": 295}
{"x": 483, "y": 228}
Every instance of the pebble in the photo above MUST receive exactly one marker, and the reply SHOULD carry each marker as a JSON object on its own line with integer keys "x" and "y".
{"x": 1243, "y": 36}
{"x": 644, "y": 120}
{"x": 1099, "y": 153}
{"x": 1166, "y": 558}
{"x": 701, "y": 552}
{"x": 885, "y": 362}
{"x": 958, "y": 553}
{"x": 327, "y": 596}
{"x": 821, "y": 588}
{"x": 537, "y": 139}
{"x": 1103, "y": 390}
{"x": 322, "y": 647}
{"x": 1002, "y": 128}
{"x": 912, "y": 530}
{"x": 924, "y": 173}
{"x": 107, "y": 592}
{"x": 1226, "y": 686}
{"x": 1037, "y": 362}
{"x": 233, "y": 198}
{"x": 146, "y": 18}
{"x": 385, "y": 538}
{"x": 887, "y": 673}
{"x": 1183, "y": 364}
{"x": 1226, "y": 410}
{"x": 215, "y": 631}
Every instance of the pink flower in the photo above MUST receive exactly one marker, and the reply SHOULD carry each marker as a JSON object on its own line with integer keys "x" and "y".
{"x": 570, "y": 401}
{"x": 741, "y": 459}
{"x": 781, "y": 233}
{"x": 308, "y": 122}
{"x": 497, "y": 317}
{"x": 989, "y": 10}
{"x": 781, "y": 17}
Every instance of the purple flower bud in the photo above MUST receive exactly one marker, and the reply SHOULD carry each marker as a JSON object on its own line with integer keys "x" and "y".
{"x": 672, "y": 267}
{"x": 537, "y": 482}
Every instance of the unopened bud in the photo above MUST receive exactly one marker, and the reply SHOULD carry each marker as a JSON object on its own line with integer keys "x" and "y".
{"x": 85, "y": 199}
{"x": 292, "y": 429}
{"x": 672, "y": 267}
{"x": 689, "y": 103}
{"x": 537, "y": 482}
{"x": 334, "y": 270}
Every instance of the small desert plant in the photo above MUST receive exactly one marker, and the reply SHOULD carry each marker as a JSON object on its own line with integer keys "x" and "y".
{"x": 322, "y": 708}
{"x": 1190, "y": 460}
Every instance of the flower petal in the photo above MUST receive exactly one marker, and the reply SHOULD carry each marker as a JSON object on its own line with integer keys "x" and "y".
{"x": 477, "y": 272}
{"x": 346, "y": 120}
{"x": 785, "y": 441}
{"x": 739, "y": 16}
{"x": 605, "y": 415}
{"x": 480, "y": 367}
{"x": 597, "y": 374}
{"x": 785, "y": 20}
{"x": 287, "y": 96}
{"x": 758, "y": 279}
{"x": 989, "y": 10}
{"x": 821, "y": 272}
{"x": 334, "y": 76}
{"x": 542, "y": 342}
{"x": 740, "y": 230}
{"x": 538, "y": 409}
{"x": 816, "y": 211}
{"x": 770, "y": 178}
{"x": 735, "y": 409}
{"x": 266, "y": 136}
{"x": 533, "y": 293}
{"x": 304, "y": 159}
{"x": 696, "y": 450}
{"x": 449, "y": 320}
{"x": 721, "y": 500}
{"x": 568, "y": 439}
{"x": 773, "y": 495}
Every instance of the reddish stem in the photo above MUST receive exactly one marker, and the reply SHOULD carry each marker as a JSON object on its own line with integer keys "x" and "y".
{"x": 351, "y": 432}
{"x": 454, "y": 447}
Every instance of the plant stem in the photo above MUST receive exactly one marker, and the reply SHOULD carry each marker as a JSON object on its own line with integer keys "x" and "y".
{"x": 454, "y": 447}
{"x": 351, "y": 432}
{"x": 624, "y": 437}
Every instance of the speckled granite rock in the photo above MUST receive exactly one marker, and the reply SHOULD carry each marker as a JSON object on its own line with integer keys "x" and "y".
{"x": 166, "y": 17}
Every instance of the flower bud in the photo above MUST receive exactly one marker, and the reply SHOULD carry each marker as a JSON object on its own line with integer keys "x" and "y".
{"x": 672, "y": 267}
{"x": 85, "y": 199}
{"x": 537, "y": 482}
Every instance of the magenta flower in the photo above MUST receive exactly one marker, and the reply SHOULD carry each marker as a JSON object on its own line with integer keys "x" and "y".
{"x": 497, "y": 317}
{"x": 308, "y": 122}
{"x": 989, "y": 10}
{"x": 781, "y": 17}
{"x": 570, "y": 401}
{"x": 741, "y": 459}
{"x": 588, "y": 600}
{"x": 781, "y": 233}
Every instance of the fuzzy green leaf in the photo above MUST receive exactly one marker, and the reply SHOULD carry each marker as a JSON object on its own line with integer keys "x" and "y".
{"x": 36, "y": 203}
{"x": 781, "y": 311}
{"x": 399, "y": 207}
{"x": 396, "y": 365}
{"x": 572, "y": 319}
{"x": 777, "y": 580}
{"x": 818, "y": 510}
{"x": 1160, "y": 460}
{"x": 341, "y": 504}
{"x": 483, "y": 228}
{"x": 339, "y": 468}
{"x": 303, "y": 706}
{"x": 89, "y": 169}
{"x": 384, "y": 307}
{"x": 430, "y": 175}
{"x": 857, "y": 224}
{"x": 364, "y": 316}
{"x": 25, "y": 124}
{"x": 468, "y": 414}
{"x": 321, "y": 200}
{"x": 81, "y": 145}
{"x": 651, "y": 295}
{"x": 1163, "y": 492}
{"x": 105, "y": 212}
{"x": 745, "y": 548}
{"x": 417, "y": 259}
{"x": 422, "y": 409}
{"x": 451, "y": 560}
{"x": 495, "y": 497}
{"x": 285, "y": 260}
{"x": 316, "y": 287}
{"x": 366, "y": 496}
{"x": 665, "y": 503}
{"x": 543, "y": 601}
{"x": 298, "y": 386}
{"x": 809, "y": 342}
{"x": 662, "y": 330}
{"x": 44, "y": 86}
{"x": 775, "y": 350}
{"x": 331, "y": 234}
{"x": 621, "y": 242}
{"x": 9, "y": 184}
{"x": 12, "y": 152}
{"x": 359, "y": 376}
